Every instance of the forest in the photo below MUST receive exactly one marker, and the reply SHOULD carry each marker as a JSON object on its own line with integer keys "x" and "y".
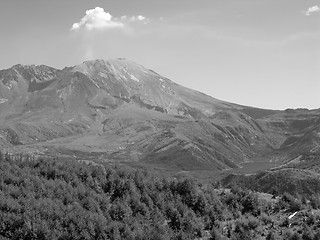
{"x": 68, "y": 199}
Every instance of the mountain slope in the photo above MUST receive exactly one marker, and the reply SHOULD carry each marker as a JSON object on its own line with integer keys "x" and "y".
{"x": 118, "y": 110}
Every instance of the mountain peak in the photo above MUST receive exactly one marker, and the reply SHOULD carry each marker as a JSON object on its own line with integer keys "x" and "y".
{"x": 37, "y": 73}
{"x": 98, "y": 63}
{"x": 140, "y": 115}
{"x": 34, "y": 67}
{"x": 120, "y": 68}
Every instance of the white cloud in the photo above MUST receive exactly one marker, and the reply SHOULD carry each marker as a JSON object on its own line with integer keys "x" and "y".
{"x": 134, "y": 18}
{"x": 141, "y": 18}
{"x": 97, "y": 19}
{"x": 313, "y": 9}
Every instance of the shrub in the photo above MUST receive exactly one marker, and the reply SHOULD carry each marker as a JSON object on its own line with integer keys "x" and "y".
{"x": 251, "y": 204}
{"x": 265, "y": 219}
{"x": 315, "y": 201}
{"x": 308, "y": 234}
{"x": 293, "y": 203}
{"x": 296, "y": 236}
{"x": 272, "y": 236}
{"x": 215, "y": 234}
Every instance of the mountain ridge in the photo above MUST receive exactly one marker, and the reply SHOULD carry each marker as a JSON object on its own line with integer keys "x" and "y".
{"x": 122, "y": 111}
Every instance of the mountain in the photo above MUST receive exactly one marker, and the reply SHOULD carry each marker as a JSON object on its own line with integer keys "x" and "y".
{"x": 120, "y": 111}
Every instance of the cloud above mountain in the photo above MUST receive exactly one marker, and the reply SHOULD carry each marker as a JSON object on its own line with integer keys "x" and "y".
{"x": 312, "y": 10}
{"x": 99, "y": 19}
{"x": 134, "y": 18}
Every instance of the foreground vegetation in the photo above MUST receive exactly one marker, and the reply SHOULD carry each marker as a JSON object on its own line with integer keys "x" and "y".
{"x": 56, "y": 199}
{"x": 300, "y": 178}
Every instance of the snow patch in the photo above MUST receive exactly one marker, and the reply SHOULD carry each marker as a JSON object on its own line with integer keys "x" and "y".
{"x": 70, "y": 120}
{"x": 143, "y": 69}
{"x": 125, "y": 70}
{"x": 123, "y": 77}
{"x": 134, "y": 78}
{"x": 3, "y": 100}
{"x": 101, "y": 74}
{"x": 163, "y": 85}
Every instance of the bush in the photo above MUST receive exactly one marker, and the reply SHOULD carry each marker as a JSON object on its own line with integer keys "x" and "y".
{"x": 308, "y": 234}
{"x": 265, "y": 219}
{"x": 315, "y": 201}
{"x": 287, "y": 234}
{"x": 215, "y": 234}
{"x": 296, "y": 236}
{"x": 272, "y": 236}
{"x": 293, "y": 203}
{"x": 251, "y": 204}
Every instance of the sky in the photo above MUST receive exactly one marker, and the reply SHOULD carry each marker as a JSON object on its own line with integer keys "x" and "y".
{"x": 261, "y": 53}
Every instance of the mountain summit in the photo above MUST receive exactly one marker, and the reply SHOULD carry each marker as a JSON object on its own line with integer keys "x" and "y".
{"x": 118, "y": 110}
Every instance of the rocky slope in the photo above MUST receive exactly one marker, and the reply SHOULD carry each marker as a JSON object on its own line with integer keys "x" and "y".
{"x": 118, "y": 110}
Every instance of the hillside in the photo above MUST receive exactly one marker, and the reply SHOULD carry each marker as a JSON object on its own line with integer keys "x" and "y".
{"x": 300, "y": 176}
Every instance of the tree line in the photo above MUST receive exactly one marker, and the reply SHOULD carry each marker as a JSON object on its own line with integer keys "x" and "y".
{"x": 66, "y": 199}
